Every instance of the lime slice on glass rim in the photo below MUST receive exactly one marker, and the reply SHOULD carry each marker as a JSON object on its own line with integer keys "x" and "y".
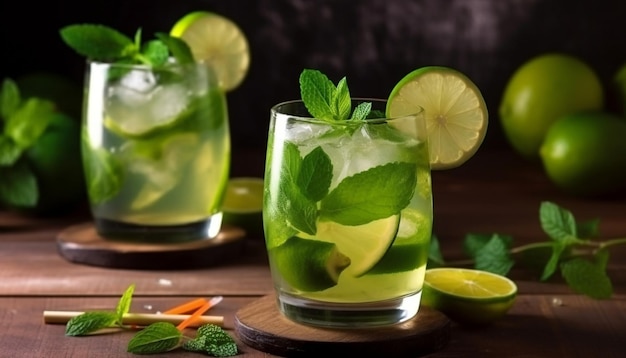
{"x": 456, "y": 113}
{"x": 468, "y": 296}
{"x": 218, "y": 42}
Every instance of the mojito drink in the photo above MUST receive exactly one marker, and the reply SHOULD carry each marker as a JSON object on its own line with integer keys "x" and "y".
{"x": 156, "y": 151}
{"x": 347, "y": 216}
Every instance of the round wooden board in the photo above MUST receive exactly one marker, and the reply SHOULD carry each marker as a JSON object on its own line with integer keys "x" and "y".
{"x": 82, "y": 244}
{"x": 261, "y": 326}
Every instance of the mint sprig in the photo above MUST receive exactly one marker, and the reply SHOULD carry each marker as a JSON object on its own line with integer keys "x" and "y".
{"x": 91, "y": 322}
{"x": 572, "y": 248}
{"x": 102, "y": 43}
{"x": 158, "y": 337}
{"x": 328, "y": 102}
{"x": 22, "y": 122}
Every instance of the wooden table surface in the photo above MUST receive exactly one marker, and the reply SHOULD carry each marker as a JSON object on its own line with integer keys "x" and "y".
{"x": 495, "y": 192}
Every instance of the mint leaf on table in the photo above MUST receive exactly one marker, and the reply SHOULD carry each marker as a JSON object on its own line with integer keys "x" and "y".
{"x": 90, "y": 322}
{"x": 473, "y": 243}
{"x": 18, "y": 186}
{"x": 156, "y": 338}
{"x": 212, "y": 340}
{"x": 315, "y": 174}
{"x": 353, "y": 202}
{"x": 558, "y": 223}
{"x": 123, "y": 305}
{"x": 98, "y": 42}
{"x": 494, "y": 256}
{"x": 587, "y": 277}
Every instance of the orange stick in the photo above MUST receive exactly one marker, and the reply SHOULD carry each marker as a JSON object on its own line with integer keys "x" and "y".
{"x": 187, "y": 306}
{"x": 194, "y": 316}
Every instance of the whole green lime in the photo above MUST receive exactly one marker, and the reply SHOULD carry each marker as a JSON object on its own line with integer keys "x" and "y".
{"x": 56, "y": 162}
{"x": 585, "y": 153}
{"x": 542, "y": 90}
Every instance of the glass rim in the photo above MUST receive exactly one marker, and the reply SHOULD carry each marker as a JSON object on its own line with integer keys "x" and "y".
{"x": 143, "y": 66}
{"x": 311, "y": 119}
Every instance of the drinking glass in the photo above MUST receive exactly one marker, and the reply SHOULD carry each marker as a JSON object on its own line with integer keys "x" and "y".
{"x": 347, "y": 215}
{"x": 156, "y": 151}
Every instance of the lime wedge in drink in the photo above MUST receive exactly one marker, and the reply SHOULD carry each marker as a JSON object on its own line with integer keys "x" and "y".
{"x": 218, "y": 42}
{"x": 309, "y": 265}
{"x": 159, "y": 164}
{"x": 470, "y": 297}
{"x": 364, "y": 244}
{"x": 456, "y": 113}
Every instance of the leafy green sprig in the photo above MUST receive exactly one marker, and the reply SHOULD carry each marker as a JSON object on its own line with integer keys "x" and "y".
{"x": 572, "y": 248}
{"x": 22, "y": 122}
{"x": 102, "y": 43}
{"x": 158, "y": 337}
{"x": 328, "y": 102}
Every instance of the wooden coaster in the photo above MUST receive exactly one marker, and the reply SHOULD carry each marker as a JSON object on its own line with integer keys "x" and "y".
{"x": 82, "y": 244}
{"x": 261, "y": 326}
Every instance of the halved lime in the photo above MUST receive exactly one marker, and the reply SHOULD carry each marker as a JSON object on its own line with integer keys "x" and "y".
{"x": 217, "y": 41}
{"x": 364, "y": 244}
{"x": 243, "y": 204}
{"x": 308, "y": 265}
{"x": 456, "y": 113}
{"x": 471, "y": 297}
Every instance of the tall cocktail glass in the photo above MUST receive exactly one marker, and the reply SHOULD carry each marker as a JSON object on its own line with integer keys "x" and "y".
{"x": 347, "y": 216}
{"x": 156, "y": 151}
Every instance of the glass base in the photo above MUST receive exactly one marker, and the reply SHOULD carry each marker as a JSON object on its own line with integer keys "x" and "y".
{"x": 121, "y": 231}
{"x": 349, "y": 315}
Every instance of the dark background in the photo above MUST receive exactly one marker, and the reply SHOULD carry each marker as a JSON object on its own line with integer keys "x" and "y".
{"x": 372, "y": 42}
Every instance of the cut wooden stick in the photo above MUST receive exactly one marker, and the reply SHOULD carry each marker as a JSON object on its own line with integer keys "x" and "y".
{"x": 139, "y": 319}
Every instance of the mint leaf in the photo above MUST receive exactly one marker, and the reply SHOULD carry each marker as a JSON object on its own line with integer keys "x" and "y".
{"x": 473, "y": 243}
{"x": 89, "y": 322}
{"x": 29, "y": 121}
{"x": 155, "y": 53}
{"x": 318, "y": 94}
{"x": 494, "y": 256}
{"x": 212, "y": 340}
{"x": 342, "y": 103}
{"x": 315, "y": 175}
{"x": 98, "y": 42}
{"x": 18, "y": 186}
{"x": 553, "y": 262}
{"x": 9, "y": 98}
{"x": 104, "y": 173}
{"x": 353, "y": 202}
{"x": 586, "y": 277}
{"x": 156, "y": 338}
{"x": 9, "y": 151}
{"x": 123, "y": 305}
{"x": 179, "y": 48}
{"x": 558, "y": 223}
{"x": 362, "y": 111}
